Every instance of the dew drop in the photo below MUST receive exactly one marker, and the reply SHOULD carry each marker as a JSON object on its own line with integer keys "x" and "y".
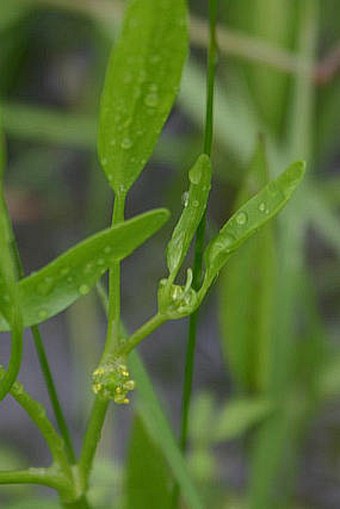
{"x": 262, "y": 207}
{"x": 104, "y": 161}
{"x": 84, "y": 289}
{"x": 241, "y": 218}
{"x": 107, "y": 250}
{"x": 46, "y": 286}
{"x": 185, "y": 199}
{"x": 64, "y": 271}
{"x": 126, "y": 143}
{"x": 42, "y": 314}
{"x": 195, "y": 174}
{"x": 100, "y": 261}
{"x": 195, "y": 203}
{"x": 88, "y": 268}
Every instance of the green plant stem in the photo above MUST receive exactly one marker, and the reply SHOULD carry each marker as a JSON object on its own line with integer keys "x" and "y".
{"x": 37, "y": 413}
{"x": 13, "y": 316}
{"x": 41, "y": 476}
{"x": 46, "y": 370}
{"x": 145, "y": 330}
{"x": 113, "y": 330}
{"x": 99, "y": 408}
{"x": 52, "y": 392}
{"x": 92, "y": 437}
{"x": 199, "y": 243}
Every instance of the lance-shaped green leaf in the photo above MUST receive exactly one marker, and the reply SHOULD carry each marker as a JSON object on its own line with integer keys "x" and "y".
{"x": 56, "y": 286}
{"x": 195, "y": 202}
{"x": 140, "y": 87}
{"x": 249, "y": 218}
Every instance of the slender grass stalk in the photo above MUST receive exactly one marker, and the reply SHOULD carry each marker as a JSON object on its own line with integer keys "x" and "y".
{"x": 199, "y": 243}
{"x": 100, "y": 406}
{"x": 46, "y": 370}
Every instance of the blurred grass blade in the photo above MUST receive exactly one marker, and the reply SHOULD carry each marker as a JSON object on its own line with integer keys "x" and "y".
{"x": 195, "y": 202}
{"x": 247, "y": 290}
{"x": 49, "y": 126}
{"x": 238, "y": 416}
{"x": 56, "y": 286}
{"x": 147, "y": 474}
{"x": 322, "y": 216}
{"x": 158, "y": 427}
{"x": 140, "y": 87}
{"x": 250, "y": 217}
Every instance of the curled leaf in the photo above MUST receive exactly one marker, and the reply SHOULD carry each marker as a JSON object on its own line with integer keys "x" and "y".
{"x": 194, "y": 206}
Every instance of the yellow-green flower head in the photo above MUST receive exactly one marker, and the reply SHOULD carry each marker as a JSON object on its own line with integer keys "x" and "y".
{"x": 111, "y": 380}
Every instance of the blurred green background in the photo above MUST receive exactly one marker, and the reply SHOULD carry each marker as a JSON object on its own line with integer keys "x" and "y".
{"x": 266, "y": 414}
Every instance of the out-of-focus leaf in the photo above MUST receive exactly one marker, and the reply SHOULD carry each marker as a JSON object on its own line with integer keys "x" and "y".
{"x": 140, "y": 87}
{"x": 195, "y": 202}
{"x": 157, "y": 425}
{"x": 238, "y": 416}
{"x": 250, "y": 217}
{"x": 147, "y": 483}
{"x": 49, "y": 126}
{"x": 56, "y": 286}
{"x": 246, "y": 295}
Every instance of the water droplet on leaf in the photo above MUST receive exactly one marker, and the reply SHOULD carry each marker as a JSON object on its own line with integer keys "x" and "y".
{"x": 126, "y": 143}
{"x": 241, "y": 218}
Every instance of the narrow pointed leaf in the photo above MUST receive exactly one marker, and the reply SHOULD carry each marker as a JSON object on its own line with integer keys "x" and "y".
{"x": 140, "y": 87}
{"x": 195, "y": 202}
{"x": 55, "y": 287}
{"x": 250, "y": 217}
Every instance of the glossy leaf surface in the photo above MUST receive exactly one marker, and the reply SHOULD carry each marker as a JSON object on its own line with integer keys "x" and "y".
{"x": 55, "y": 287}
{"x": 140, "y": 87}
{"x": 195, "y": 202}
{"x": 250, "y": 217}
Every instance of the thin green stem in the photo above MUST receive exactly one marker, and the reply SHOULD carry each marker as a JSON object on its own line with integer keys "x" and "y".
{"x": 199, "y": 243}
{"x": 46, "y": 370}
{"x": 41, "y": 476}
{"x": 145, "y": 330}
{"x": 37, "y": 413}
{"x": 13, "y": 312}
{"x": 52, "y": 392}
{"x": 99, "y": 408}
{"x": 113, "y": 331}
{"x": 92, "y": 437}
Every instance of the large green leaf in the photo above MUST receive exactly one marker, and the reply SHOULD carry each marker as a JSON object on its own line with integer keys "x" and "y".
{"x": 56, "y": 286}
{"x": 250, "y": 217}
{"x": 147, "y": 483}
{"x": 140, "y": 87}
